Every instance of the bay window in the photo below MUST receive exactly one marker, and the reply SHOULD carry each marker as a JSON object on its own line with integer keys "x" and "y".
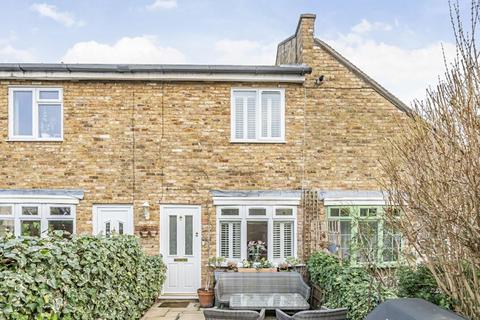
{"x": 362, "y": 234}
{"x": 36, "y": 219}
{"x": 35, "y": 114}
{"x": 274, "y": 226}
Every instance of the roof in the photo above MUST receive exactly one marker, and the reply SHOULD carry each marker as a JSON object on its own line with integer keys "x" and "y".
{"x": 257, "y": 193}
{"x": 375, "y": 85}
{"x": 69, "y": 193}
{"x": 154, "y": 68}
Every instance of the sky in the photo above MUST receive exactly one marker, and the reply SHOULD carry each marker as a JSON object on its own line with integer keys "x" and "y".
{"x": 398, "y": 43}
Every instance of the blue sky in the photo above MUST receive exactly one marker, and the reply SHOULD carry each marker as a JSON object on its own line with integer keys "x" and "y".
{"x": 396, "y": 42}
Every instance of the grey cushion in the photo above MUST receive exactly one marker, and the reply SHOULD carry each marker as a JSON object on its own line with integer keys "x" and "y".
{"x": 220, "y": 314}
{"x": 259, "y": 282}
{"x": 324, "y": 314}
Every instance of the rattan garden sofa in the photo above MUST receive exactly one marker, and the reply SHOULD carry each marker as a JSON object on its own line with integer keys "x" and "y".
{"x": 222, "y": 314}
{"x": 321, "y": 314}
{"x": 263, "y": 283}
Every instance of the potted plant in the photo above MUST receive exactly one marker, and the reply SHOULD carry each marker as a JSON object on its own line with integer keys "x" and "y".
{"x": 206, "y": 295}
{"x": 264, "y": 266}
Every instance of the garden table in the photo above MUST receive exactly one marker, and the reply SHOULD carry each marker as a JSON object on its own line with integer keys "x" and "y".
{"x": 268, "y": 301}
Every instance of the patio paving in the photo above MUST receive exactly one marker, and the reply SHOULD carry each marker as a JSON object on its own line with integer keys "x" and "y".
{"x": 191, "y": 312}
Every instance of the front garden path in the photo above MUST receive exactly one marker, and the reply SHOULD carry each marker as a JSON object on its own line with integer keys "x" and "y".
{"x": 191, "y": 312}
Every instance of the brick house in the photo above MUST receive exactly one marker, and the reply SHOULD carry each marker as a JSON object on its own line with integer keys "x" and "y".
{"x": 197, "y": 160}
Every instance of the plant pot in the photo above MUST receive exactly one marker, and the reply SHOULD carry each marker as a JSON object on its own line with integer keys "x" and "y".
{"x": 267, "y": 270}
{"x": 205, "y": 298}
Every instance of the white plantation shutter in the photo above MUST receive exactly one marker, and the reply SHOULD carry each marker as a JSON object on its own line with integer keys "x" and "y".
{"x": 230, "y": 239}
{"x": 251, "y": 117}
{"x": 245, "y": 114}
{"x": 271, "y": 123}
{"x": 238, "y": 105}
{"x": 282, "y": 240}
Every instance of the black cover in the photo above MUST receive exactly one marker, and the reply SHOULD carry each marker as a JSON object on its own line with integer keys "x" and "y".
{"x": 410, "y": 309}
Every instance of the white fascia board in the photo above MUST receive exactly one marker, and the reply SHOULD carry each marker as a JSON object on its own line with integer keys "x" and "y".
{"x": 38, "y": 199}
{"x": 151, "y": 76}
{"x": 246, "y": 201}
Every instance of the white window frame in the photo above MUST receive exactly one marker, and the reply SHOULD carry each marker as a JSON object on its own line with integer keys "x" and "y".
{"x": 43, "y": 214}
{"x": 35, "y": 103}
{"x": 244, "y": 217}
{"x": 258, "y": 119}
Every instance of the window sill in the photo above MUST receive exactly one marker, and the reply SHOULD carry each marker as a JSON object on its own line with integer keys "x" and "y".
{"x": 33, "y": 140}
{"x": 257, "y": 142}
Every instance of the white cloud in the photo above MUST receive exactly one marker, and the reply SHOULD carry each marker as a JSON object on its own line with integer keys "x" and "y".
{"x": 162, "y": 4}
{"x": 51, "y": 11}
{"x": 144, "y": 49}
{"x": 228, "y": 51}
{"x": 9, "y": 53}
{"x": 366, "y": 26}
{"x": 405, "y": 72}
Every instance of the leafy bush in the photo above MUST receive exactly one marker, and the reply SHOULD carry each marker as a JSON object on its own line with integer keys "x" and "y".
{"x": 84, "y": 277}
{"x": 345, "y": 286}
{"x": 420, "y": 283}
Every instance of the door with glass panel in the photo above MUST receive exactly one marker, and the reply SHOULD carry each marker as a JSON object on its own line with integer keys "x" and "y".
{"x": 180, "y": 247}
{"x": 113, "y": 219}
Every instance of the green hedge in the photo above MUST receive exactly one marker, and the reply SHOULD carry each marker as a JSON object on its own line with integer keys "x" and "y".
{"x": 345, "y": 286}
{"x": 420, "y": 283}
{"x": 84, "y": 277}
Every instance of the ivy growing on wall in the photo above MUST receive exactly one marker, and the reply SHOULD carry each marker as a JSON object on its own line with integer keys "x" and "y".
{"x": 84, "y": 277}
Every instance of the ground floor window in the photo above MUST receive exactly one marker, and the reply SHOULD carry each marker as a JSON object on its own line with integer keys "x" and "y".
{"x": 36, "y": 219}
{"x": 362, "y": 234}
{"x": 255, "y": 232}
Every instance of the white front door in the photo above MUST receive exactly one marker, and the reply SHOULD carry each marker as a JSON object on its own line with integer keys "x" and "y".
{"x": 108, "y": 219}
{"x": 180, "y": 246}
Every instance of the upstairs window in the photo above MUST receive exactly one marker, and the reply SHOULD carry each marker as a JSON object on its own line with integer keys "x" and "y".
{"x": 258, "y": 115}
{"x": 35, "y": 114}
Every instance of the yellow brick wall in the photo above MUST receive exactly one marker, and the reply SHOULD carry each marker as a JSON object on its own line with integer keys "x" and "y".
{"x": 131, "y": 142}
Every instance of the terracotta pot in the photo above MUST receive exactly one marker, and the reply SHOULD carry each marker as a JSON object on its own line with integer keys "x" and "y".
{"x": 206, "y": 297}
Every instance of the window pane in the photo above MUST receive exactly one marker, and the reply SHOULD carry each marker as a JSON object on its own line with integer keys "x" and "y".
{"x": 120, "y": 227}
{"x": 188, "y": 235}
{"x": 60, "y": 211}
{"x": 22, "y": 113}
{"x": 284, "y": 212}
{"x": 282, "y": 239}
{"x": 30, "y": 211}
{"x": 230, "y": 212}
{"x": 64, "y": 225}
{"x": 367, "y": 241}
{"x": 345, "y": 238}
{"x": 251, "y": 117}
{"x": 50, "y": 121}
{"x": 6, "y": 226}
{"x": 344, "y": 212}
{"x": 6, "y": 210}
{"x": 230, "y": 239}
{"x": 49, "y": 95}
{"x": 391, "y": 245}
{"x": 107, "y": 228}
{"x": 30, "y": 228}
{"x": 172, "y": 235}
{"x": 257, "y": 211}
{"x": 271, "y": 102}
{"x": 257, "y": 231}
{"x": 238, "y": 117}
{"x": 334, "y": 212}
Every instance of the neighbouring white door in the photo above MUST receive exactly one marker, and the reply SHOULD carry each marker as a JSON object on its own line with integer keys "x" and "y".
{"x": 108, "y": 219}
{"x": 180, "y": 246}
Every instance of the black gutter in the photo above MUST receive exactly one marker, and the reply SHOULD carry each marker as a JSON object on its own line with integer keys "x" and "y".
{"x": 155, "y": 68}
